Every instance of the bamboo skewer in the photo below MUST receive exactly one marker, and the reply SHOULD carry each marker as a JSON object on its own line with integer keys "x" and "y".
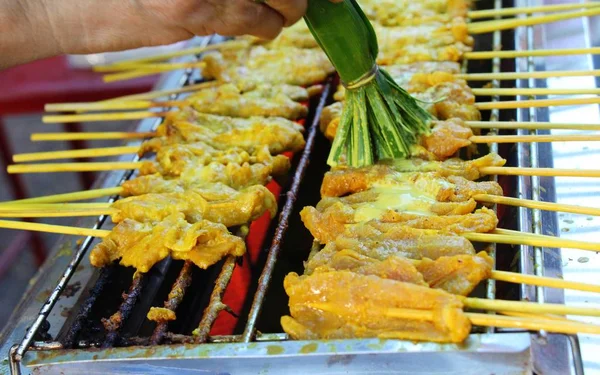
{"x": 541, "y": 172}
{"x": 536, "y": 103}
{"x": 530, "y": 240}
{"x": 67, "y": 197}
{"x": 547, "y": 206}
{"x": 47, "y": 228}
{"x": 547, "y": 282}
{"x": 486, "y": 320}
{"x": 57, "y": 213}
{"x": 505, "y": 24}
{"x": 484, "y": 55}
{"x": 534, "y": 138}
{"x": 90, "y": 117}
{"x": 530, "y": 307}
{"x": 532, "y": 324}
{"x": 112, "y": 105}
{"x": 74, "y": 154}
{"x": 527, "y": 75}
{"x": 533, "y": 91}
{"x": 148, "y": 70}
{"x": 161, "y": 93}
{"x": 160, "y": 66}
{"x": 233, "y": 44}
{"x": 537, "y": 316}
{"x": 488, "y": 13}
{"x": 73, "y": 167}
{"x": 529, "y": 125}
{"x": 88, "y": 136}
{"x": 126, "y": 150}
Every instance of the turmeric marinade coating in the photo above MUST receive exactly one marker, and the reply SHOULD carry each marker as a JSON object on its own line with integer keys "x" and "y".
{"x": 142, "y": 245}
{"x": 233, "y": 167}
{"x": 252, "y": 66}
{"x": 328, "y": 224}
{"x": 223, "y": 132}
{"x": 403, "y": 12}
{"x": 262, "y": 101}
{"x": 451, "y": 180}
{"x": 240, "y": 208}
{"x": 344, "y": 304}
{"x": 432, "y": 41}
{"x": 412, "y": 243}
{"x": 458, "y": 274}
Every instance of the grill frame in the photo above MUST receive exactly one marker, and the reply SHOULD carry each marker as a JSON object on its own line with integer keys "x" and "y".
{"x": 500, "y": 353}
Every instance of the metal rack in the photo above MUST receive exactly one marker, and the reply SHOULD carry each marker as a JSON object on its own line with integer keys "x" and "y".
{"x": 250, "y": 351}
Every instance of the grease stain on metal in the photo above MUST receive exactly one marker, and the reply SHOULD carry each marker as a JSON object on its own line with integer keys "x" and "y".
{"x": 275, "y": 349}
{"x": 309, "y": 348}
{"x": 65, "y": 250}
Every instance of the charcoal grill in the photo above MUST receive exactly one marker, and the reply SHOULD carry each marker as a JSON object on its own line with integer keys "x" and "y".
{"x": 93, "y": 321}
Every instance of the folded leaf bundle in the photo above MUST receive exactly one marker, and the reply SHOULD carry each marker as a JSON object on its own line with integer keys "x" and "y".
{"x": 380, "y": 120}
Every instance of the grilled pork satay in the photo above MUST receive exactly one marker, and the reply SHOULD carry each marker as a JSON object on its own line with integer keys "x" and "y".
{"x": 393, "y": 268}
{"x": 229, "y": 100}
{"x": 343, "y": 304}
{"x": 328, "y": 224}
{"x": 444, "y": 187}
{"x": 159, "y": 178}
{"x": 222, "y": 132}
{"x": 458, "y": 274}
{"x": 402, "y": 241}
{"x": 234, "y": 175}
{"x": 240, "y": 208}
{"x": 243, "y": 172}
{"x": 142, "y": 245}
{"x": 252, "y": 66}
{"x": 446, "y": 138}
{"x": 176, "y": 159}
{"x": 401, "y": 12}
{"x": 406, "y": 44}
{"x": 342, "y": 181}
{"x": 155, "y": 183}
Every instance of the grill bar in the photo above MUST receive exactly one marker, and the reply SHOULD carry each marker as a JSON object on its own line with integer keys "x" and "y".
{"x": 216, "y": 304}
{"x": 284, "y": 218}
{"x": 86, "y": 308}
{"x": 115, "y": 322}
{"x": 173, "y": 300}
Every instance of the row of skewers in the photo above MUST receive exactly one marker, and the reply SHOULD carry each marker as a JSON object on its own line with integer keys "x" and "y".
{"x": 398, "y": 259}
{"x": 219, "y": 146}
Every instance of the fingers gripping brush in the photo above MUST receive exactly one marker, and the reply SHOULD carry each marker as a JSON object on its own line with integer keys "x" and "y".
{"x": 380, "y": 120}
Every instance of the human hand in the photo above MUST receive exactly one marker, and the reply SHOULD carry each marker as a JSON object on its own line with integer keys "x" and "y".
{"x": 41, "y": 28}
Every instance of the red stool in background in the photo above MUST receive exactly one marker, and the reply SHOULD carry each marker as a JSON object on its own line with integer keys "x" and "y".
{"x": 25, "y": 90}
